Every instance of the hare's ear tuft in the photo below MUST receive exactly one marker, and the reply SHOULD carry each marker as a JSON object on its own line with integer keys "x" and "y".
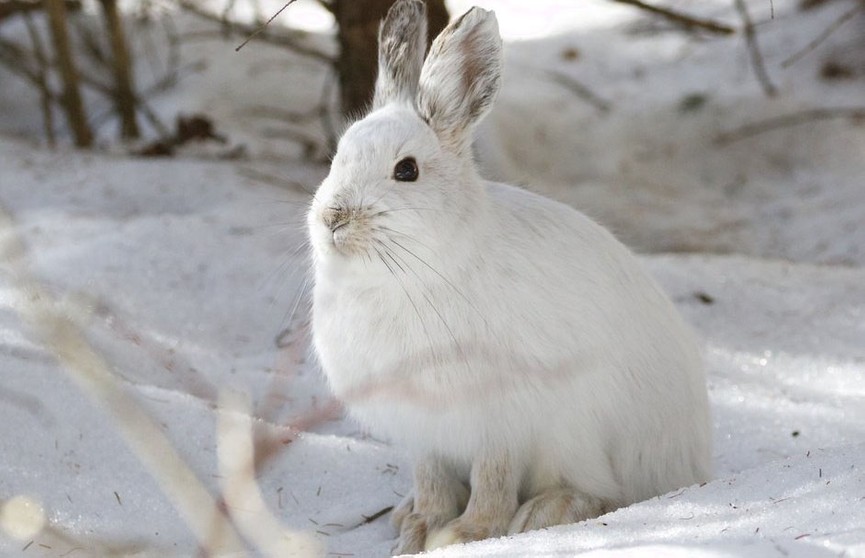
{"x": 402, "y": 40}
{"x": 461, "y": 77}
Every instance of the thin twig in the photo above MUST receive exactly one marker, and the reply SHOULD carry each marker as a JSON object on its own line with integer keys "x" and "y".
{"x": 325, "y": 113}
{"x": 295, "y": 117}
{"x": 786, "y": 121}
{"x": 229, "y": 6}
{"x": 579, "y": 90}
{"x": 263, "y": 26}
{"x": 681, "y": 19}
{"x": 267, "y": 178}
{"x": 754, "y": 51}
{"x": 370, "y": 518}
{"x": 45, "y": 95}
{"x": 845, "y": 17}
{"x": 309, "y": 143}
{"x": 282, "y": 40}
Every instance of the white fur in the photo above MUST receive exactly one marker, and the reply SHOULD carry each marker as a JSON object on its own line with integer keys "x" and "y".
{"x": 466, "y": 319}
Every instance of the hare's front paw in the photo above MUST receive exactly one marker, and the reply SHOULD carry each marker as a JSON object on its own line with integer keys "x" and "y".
{"x": 415, "y": 526}
{"x": 462, "y": 530}
{"x": 413, "y": 533}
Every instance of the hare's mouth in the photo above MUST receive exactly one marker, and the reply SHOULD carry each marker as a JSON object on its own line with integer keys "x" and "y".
{"x": 345, "y": 233}
{"x": 344, "y": 238}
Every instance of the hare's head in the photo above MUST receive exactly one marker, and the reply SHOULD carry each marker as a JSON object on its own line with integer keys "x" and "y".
{"x": 404, "y": 174}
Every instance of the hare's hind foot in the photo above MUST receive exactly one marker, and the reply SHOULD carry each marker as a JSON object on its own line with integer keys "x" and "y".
{"x": 555, "y": 506}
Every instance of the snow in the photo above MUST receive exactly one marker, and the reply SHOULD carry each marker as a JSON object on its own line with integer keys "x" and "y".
{"x": 180, "y": 277}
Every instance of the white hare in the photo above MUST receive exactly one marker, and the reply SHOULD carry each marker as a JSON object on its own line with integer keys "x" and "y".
{"x": 537, "y": 374}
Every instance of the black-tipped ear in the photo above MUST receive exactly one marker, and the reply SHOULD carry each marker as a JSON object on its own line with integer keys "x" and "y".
{"x": 402, "y": 40}
{"x": 461, "y": 77}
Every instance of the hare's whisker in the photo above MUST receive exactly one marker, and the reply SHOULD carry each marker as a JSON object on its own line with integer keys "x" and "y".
{"x": 450, "y": 283}
{"x": 408, "y": 296}
{"x": 301, "y": 294}
{"x": 426, "y": 293}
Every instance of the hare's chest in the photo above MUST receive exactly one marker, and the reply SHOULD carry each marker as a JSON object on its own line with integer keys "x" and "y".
{"x": 355, "y": 336}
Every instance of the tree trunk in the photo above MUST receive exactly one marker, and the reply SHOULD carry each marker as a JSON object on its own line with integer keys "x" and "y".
{"x": 124, "y": 92}
{"x": 72, "y": 103}
{"x": 357, "y": 65}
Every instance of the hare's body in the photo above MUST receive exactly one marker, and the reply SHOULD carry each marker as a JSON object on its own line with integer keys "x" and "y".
{"x": 536, "y": 372}
{"x": 584, "y": 370}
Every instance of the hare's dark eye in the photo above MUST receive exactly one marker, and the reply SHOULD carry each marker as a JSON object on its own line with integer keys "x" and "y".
{"x": 406, "y": 170}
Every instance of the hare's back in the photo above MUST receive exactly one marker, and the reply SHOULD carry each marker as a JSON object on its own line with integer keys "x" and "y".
{"x": 575, "y": 278}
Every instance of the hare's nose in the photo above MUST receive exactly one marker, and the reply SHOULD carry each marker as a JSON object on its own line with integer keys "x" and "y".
{"x": 334, "y": 217}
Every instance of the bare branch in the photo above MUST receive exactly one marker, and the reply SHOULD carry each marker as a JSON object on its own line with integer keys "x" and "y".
{"x": 845, "y": 17}
{"x": 580, "y": 90}
{"x": 9, "y": 8}
{"x": 61, "y": 334}
{"x": 323, "y": 111}
{"x": 45, "y": 95}
{"x": 325, "y": 114}
{"x": 787, "y": 121}
{"x": 235, "y": 451}
{"x": 681, "y": 19}
{"x": 754, "y": 51}
{"x": 17, "y": 60}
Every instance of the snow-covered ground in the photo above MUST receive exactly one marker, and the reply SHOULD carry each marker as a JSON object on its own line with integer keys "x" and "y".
{"x": 179, "y": 277}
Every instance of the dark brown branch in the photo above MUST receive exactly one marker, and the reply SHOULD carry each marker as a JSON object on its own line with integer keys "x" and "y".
{"x": 845, "y": 17}
{"x": 269, "y": 37}
{"x": 681, "y": 19}
{"x": 73, "y": 104}
{"x": 121, "y": 64}
{"x": 757, "y": 63}
{"x": 787, "y": 121}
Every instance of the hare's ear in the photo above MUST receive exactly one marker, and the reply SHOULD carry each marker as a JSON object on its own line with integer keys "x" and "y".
{"x": 461, "y": 77}
{"x": 401, "y": 48}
